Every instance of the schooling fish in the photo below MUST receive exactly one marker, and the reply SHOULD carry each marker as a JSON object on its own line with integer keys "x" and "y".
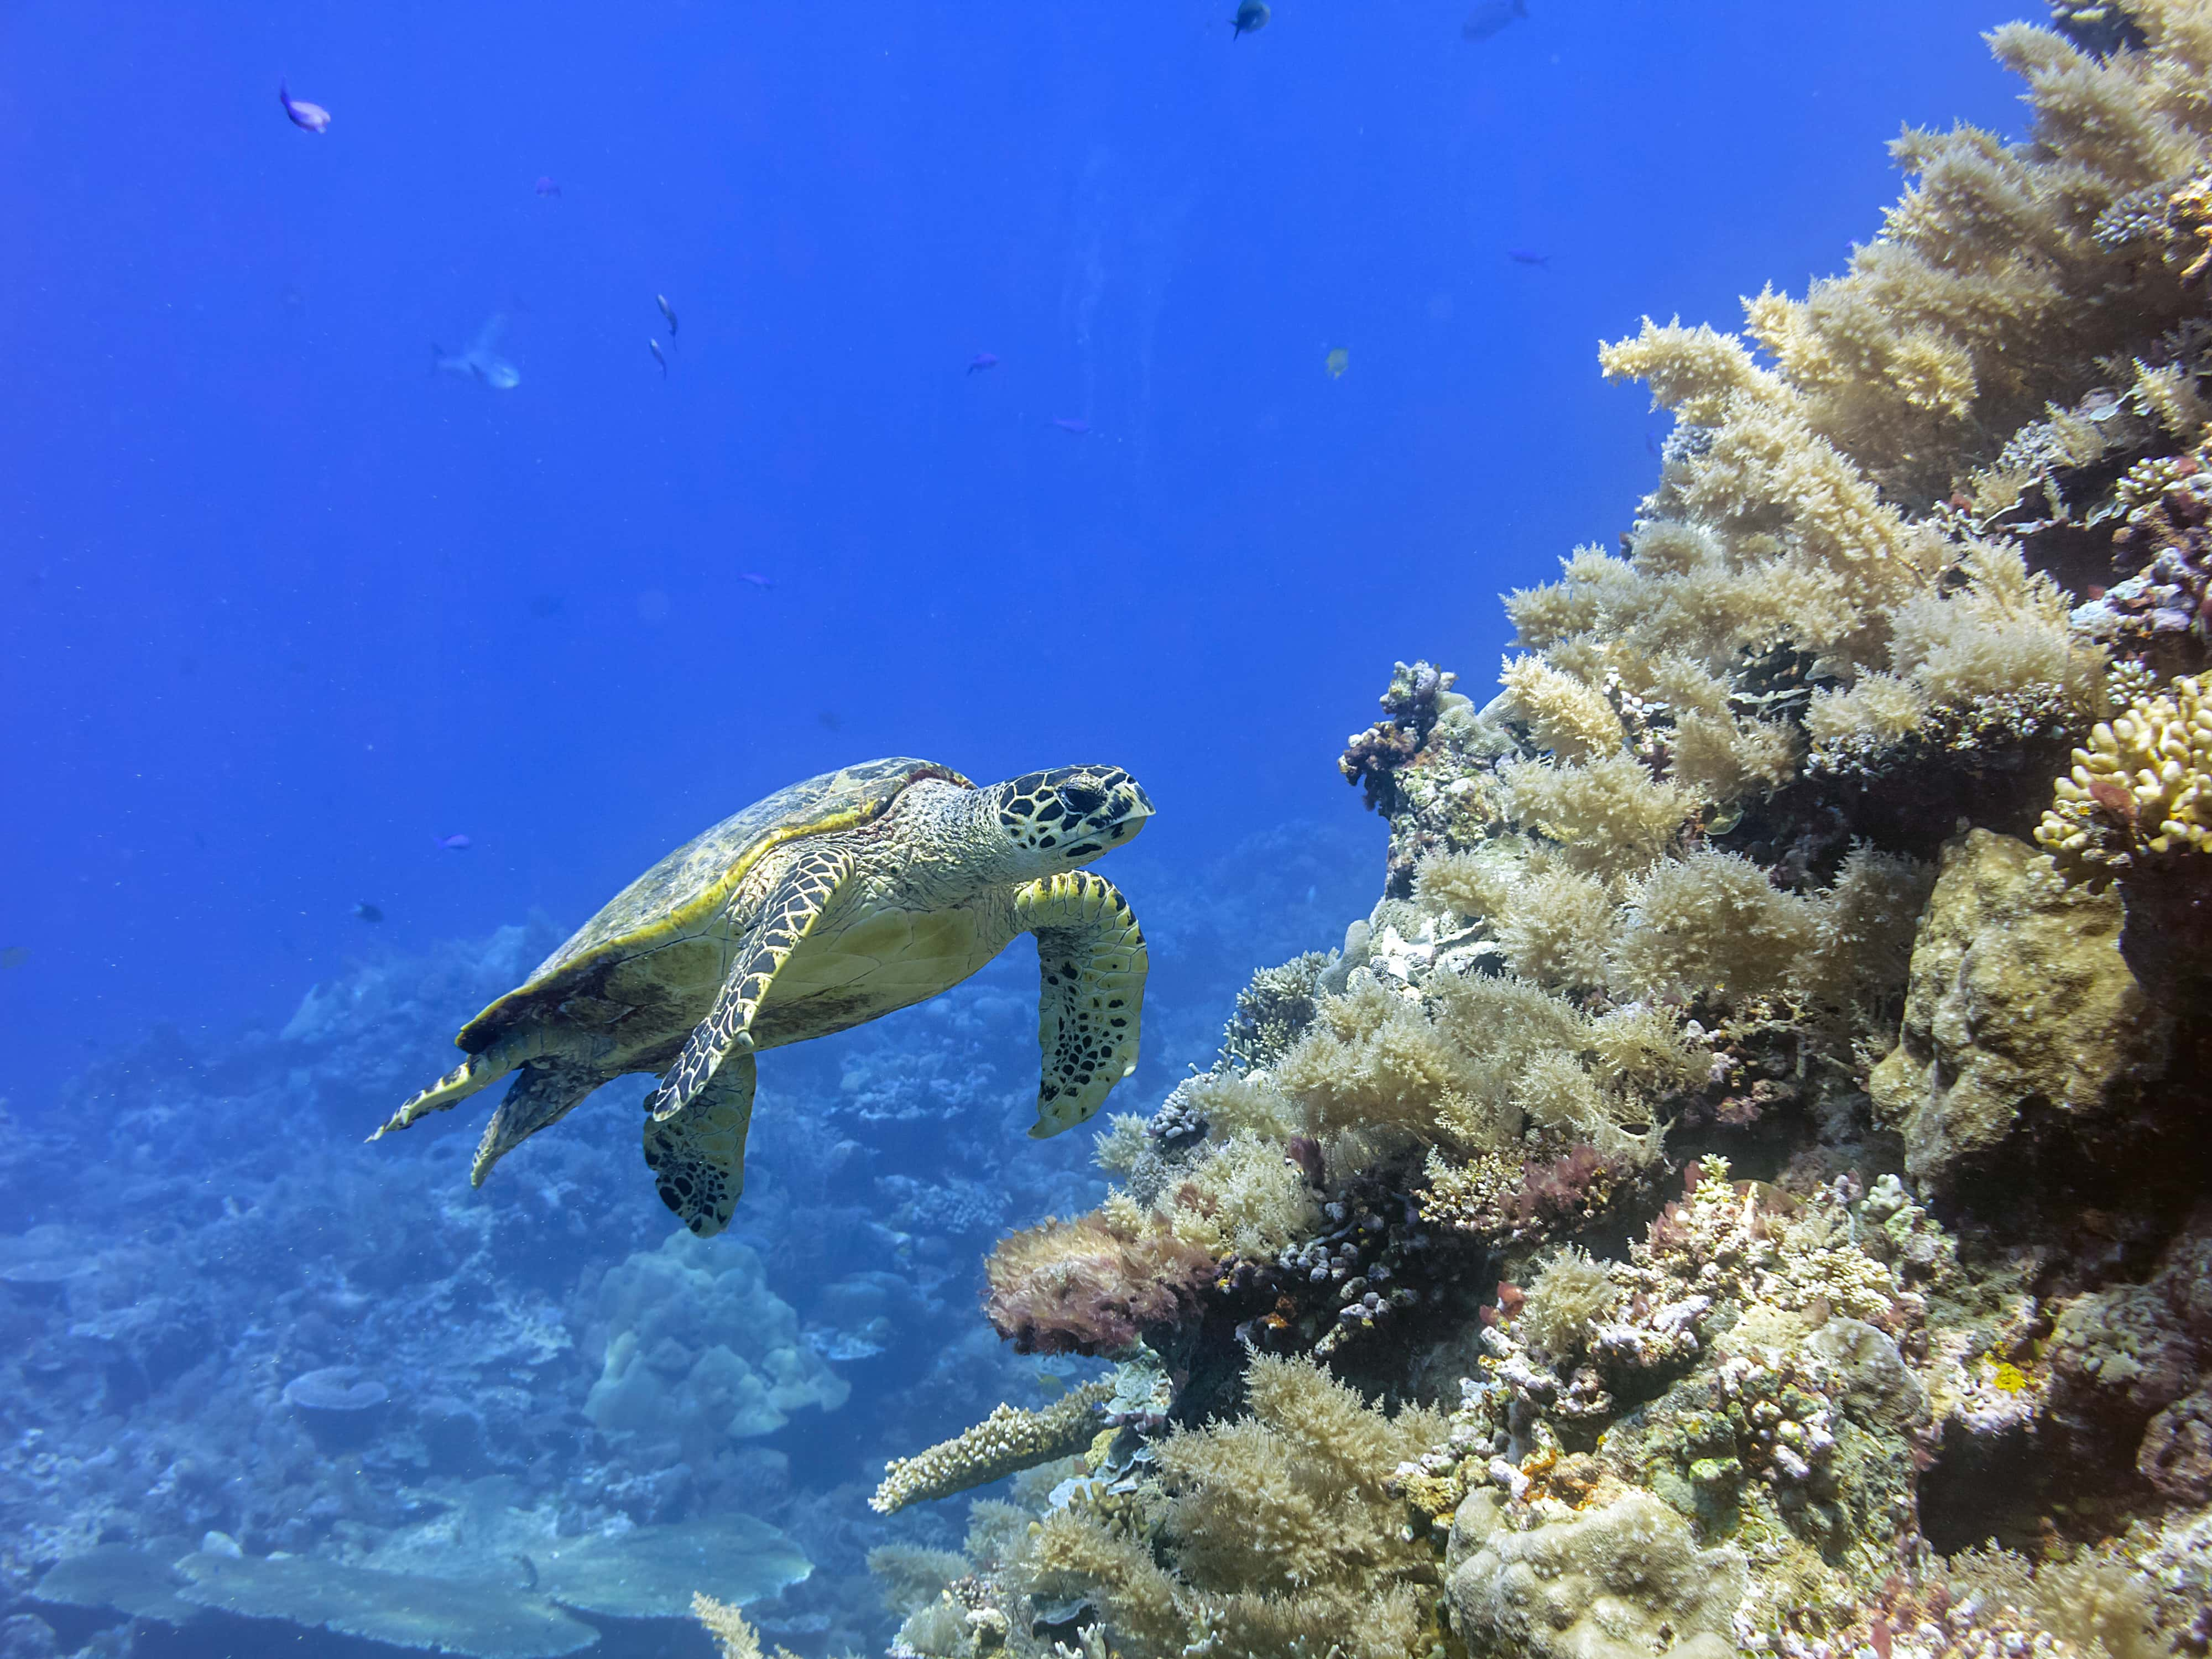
{"x": 454, "y": 843}
{"x": 981, "y": 360}
{"x": 1522, "y": 256}
{"x": 667, "y": 311}
{"x": 14, "y": 955}
{"x": 756, "y": 580}
{"x": 367, "y": 912}
{"x": 311, "y": 117}
{"x": 1337, "y": 361}
{"x": 1491, "y": 16}
{"x": 480, "y": 361}
{"x": 1251, "y": 15}
{"x": 653, "y": 346}
{"x": 1074, "y": 429}
{"x": 546, "y": 186}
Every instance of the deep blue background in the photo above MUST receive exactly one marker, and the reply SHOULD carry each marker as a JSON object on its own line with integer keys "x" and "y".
{"x": 279, "y": 605}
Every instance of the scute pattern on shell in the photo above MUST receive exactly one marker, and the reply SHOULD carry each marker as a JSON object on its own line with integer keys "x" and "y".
{"x": 684, "y": 890}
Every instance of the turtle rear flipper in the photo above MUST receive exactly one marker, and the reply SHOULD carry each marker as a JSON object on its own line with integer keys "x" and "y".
{"x": 697, "y": 1155}
{"x": 546, "y": 1091}
{"x": 797, "y": 903}
{"x": 479, "y": 1071}
{"x": 1091, "y": 956}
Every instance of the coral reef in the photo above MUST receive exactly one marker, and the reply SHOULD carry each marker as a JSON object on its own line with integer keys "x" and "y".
{"x": 1756, "y": 1187}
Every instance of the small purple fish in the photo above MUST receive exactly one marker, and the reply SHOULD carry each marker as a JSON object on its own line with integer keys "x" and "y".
{"x": 757, "y": 580}
{"x": 1074, "y": 429}
{"x": 546, "y": 186}
{"x": 311, "y": 117}
{"x": 1522, "y": 256}
{"x": 454, "y": 843}
{"x": 981, "y": 360}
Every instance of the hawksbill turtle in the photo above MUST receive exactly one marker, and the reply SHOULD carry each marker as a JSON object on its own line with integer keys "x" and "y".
{"x": 827, "y": 904}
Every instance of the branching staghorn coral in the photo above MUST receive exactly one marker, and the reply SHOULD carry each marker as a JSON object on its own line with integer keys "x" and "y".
{"x": 733, "y": 1637}
{"x": 1009, "y": 1440}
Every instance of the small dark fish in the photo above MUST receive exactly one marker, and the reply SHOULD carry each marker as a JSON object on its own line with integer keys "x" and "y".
{"x": 1523, "y": 256}
{"x": 1251, "y": 15}
{"x": 653, "y": 346}
{"x": 367, "y": 912}
{"x": 831, "y": 720}
{"x": 314, "y": 118}
{"x": 14, "y": 955}
{"x": 667, "y": 311}
{"x": 546, "y": 186}
{"x": 981, "y": 360}
{"x": 454, "y": 843}
{"x": 757, "y": 580}
{"x": 1073, "y": 427}
{"x": 1492, "y": 16}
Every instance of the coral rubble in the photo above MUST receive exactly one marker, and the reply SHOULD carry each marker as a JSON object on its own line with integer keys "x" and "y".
{"x": 1735, "y": 1191}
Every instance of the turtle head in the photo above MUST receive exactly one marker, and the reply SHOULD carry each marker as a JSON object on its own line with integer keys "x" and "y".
{"x": 1062, "y": 819}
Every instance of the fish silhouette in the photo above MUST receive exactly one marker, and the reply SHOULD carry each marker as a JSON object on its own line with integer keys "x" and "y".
{"x": 1073, "y": 427}
{"x": 1491, "y": 16}
{"x": 1251, "y": 15}
{"x": 454, "y": 843}
{"x": 312, "y": 118}
{"x": 480, "y": 361}
{"x": 981, "y": 360}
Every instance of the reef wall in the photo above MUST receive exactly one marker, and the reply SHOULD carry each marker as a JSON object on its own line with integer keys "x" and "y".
{"x": 1744, "y": 1187}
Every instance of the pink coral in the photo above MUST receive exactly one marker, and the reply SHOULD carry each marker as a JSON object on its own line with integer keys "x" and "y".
{"x": 1083, "y": 1286}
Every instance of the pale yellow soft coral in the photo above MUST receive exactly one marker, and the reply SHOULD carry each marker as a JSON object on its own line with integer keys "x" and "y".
{"x": 1245, "y": 1199}
{"x": 1478, "y": 883}
{"x": 1610, "y": 815}
{"x": 1876, "y": 712}
{"x": 1373, "y": 1060}
{"x": 1565, "y": 716}
{"x": 1712, "y": 924}
{"x": 1987, "y": 296}
{"x": 1556, "y": 930}
{"x": 2004, "y": 634}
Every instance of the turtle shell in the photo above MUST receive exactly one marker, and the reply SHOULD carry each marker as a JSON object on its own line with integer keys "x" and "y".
{"x": 680, "y": 896}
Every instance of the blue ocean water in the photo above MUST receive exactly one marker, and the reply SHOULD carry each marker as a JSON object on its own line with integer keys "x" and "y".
{"x": 290, "y": 606}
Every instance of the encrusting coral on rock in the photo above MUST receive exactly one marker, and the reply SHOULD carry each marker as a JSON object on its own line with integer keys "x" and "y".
{"x": 1734, "y": 1193}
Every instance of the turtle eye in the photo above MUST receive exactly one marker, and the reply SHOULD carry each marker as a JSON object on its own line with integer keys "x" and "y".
{"x": 1081, "y": 798}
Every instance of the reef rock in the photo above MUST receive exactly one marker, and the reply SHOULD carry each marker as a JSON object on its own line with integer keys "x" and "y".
{"x": 2023, "y": 1025}
{"x": 1617, "y": 1582}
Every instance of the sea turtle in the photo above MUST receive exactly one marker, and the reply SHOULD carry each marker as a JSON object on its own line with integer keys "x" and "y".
{"x": 830, "y": 903}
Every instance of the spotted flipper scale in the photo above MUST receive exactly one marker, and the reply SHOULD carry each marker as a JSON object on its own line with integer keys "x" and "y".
{"x": 793, "y": 909}
{"x": 697, "y": 1156}
{"x": 1091, "y": 956}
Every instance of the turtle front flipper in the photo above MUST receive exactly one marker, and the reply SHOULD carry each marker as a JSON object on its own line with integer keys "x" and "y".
{"x": 1092, "y": 956}
{"x": 787, "y": 918}
{"x": 697, "y": 1156}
